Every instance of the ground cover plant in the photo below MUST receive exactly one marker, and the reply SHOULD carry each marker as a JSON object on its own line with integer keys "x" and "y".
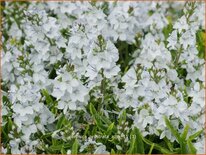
{"x": 103, "y": 77}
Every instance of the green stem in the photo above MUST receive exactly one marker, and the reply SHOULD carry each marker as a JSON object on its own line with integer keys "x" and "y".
{"x": 179, "y": 52}
{"x": 151, "y": 148}
{"x": 103, "y": 83}
{"x": 126, "y": 57}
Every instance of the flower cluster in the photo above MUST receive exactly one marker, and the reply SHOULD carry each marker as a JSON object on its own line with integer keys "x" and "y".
{"x": 81, "y": 77}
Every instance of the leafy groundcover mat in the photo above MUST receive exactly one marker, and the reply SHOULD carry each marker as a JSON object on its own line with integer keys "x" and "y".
{"x": 103, "y": 77}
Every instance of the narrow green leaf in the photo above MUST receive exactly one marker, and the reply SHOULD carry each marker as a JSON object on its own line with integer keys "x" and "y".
{"x": 92, "y": 109}
{"x": 60, "y": 122}
{"x": 173, "y": 130}
{"x": 157, "y": 147}
{"x": 105, "y": 120}
{"x": 185, "y": 132}
{"x": 192, "y": 149}
{"x": 56, "y": 147}
{"x": 123, "y": 116}
{"x": 195, "y": 135}
{"x": 63, "y": 151}
{"x": 46, "y": 135}
{"x": 67, "y": 145}
{"x": 9, "y": 126}
{"x": 110, "y": 129}
{"x": 86, "y": 130}
{"x": 139, "y": 142}
{"x": 75, "y": 147}
{"x": 48, "y": 98}
{"x": 151, "y": 148}
{"x": 184, "y": 148}
{"x": 169, "y": 144}
{"x": 112, "y": 151}
{"x": 136, "y": 143}
{"x": 97, "y": 118}
{"x": 182, "y": 142}
{"x": 5, "y": 136}
{"x": 132, "y": 144}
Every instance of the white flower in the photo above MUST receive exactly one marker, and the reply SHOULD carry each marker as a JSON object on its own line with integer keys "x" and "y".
{"x": 67, "y": 49}
{"x": 15, "y": 31}
{"x": 171, "y": 100}
{"x": 197, "y": 86}
{"x": 79, "y": 93}
{"x": 172, "y": 40}
{"x": 187, "y": 39}
{"x": 130, "y": 77}
{"x": 181, "y": 24}
{"x": 109, "y": 73}
{"x": 42, "y": 46}
{"x": 4, "y": 150}
{"x": 118, "y": 147}
{"x": 21, "y": 110}
{"x": 68, "y": 151}
{"x": 87, "y": 143}
{"x": 51, "y": 27}
{"x": 143, "y": 118}
{"x": 182, "y": 106}
{"x": 101, "y": 150}
{"x": 172, "y": 75}
{"x": 59, "y": 89}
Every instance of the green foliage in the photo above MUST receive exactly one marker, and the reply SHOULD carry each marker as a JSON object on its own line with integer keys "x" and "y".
{"x": 50, "y": 102}
{"x": 186, "y": 146}
{"x": 103, "y": 123}
{"x": 200, "y": 43}
{"x": 75, "y": 147}
{"x": 105, "y": 126}
{"x": 157, "y": 147}
{"x": 136, "y": 142}
{"x": 167, "y": 30}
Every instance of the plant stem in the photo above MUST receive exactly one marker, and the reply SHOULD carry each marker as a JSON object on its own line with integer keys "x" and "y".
{"x": 103, "y": 83}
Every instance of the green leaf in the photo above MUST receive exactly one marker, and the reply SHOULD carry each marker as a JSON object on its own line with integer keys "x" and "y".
{"x": 9, "y": 125}
{"x": 112, "y": 151}
{"x": 132, "y": 144}
{"x": 86, "y": 130}
{"x": 195, "y": 135}
{"x": 6, "y": 129}
{"x": 136, "y": 144}
{"x": 123, "y": 116}
{"x": 56, "y": 147}
{"x": 182, "y": 142}
{"x": 60, "y": 122}
{"x": 5, "y": 136}
{"x": 52, "y": 73}
{"x": 75, "y": 147}
{"x": 97, "y": 118}
{"x": 185, "y": 132}
{"x": 105, "y": 120}
{"x": 157, "y": 147}
{"x": 140, "y": 144}
{"x": 54, "y": 141}
{"x": 63, "y": 151}
{"x": 191, "y": 147}
{"x": 200, "y": 43}
{"x": 48, "y": 98}
{"x": 169, "y": 144}
{"x": 151, "y": 148}
{"x": 167, "y": 30}
{"x": 173, "y": 130}
{"x": 110, "y": 129}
